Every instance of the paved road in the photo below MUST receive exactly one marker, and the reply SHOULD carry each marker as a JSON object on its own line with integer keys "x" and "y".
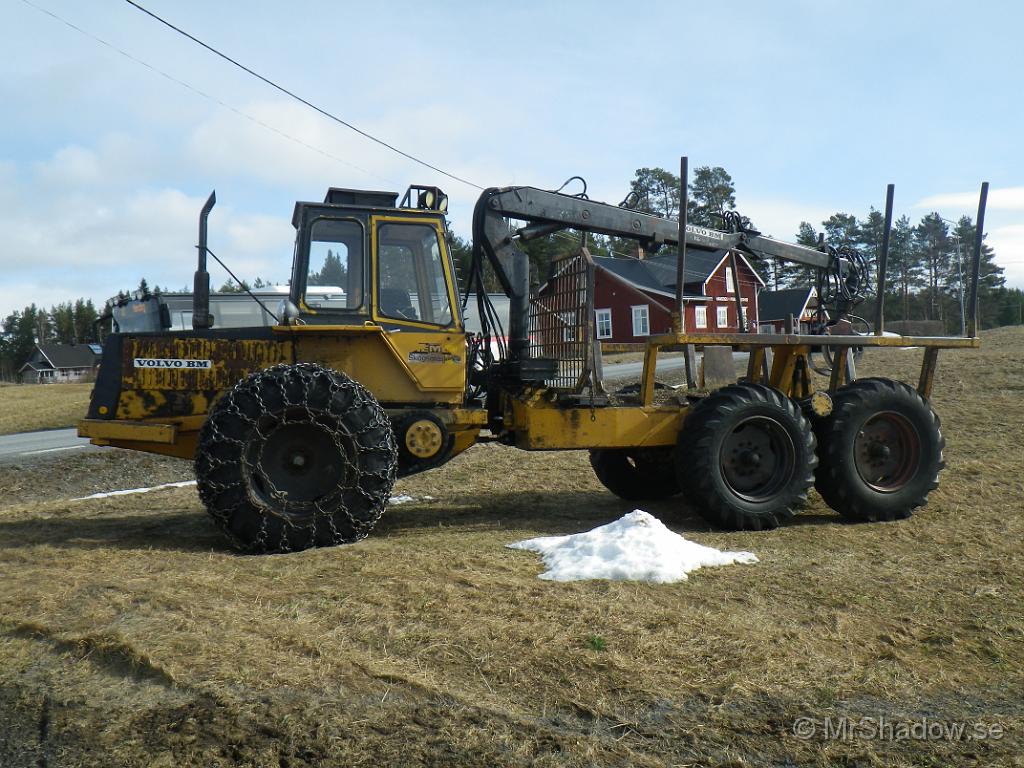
{"x": 674, "y": 362}
{"x": 13, "y": 447}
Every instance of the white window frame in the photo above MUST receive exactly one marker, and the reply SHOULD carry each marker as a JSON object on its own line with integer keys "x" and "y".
{"x": 700, "y": 317}
{"x": 722, "y": 316}
{"x": 567, "y": 319}
{"x": 603, "y": 314}
{"x": 645, "y": 316}
{"x": 728, "y": 281}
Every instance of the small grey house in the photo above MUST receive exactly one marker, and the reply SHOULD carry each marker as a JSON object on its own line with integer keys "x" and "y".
{"x": 777, "y": 306}
{"x": 60, "y": 363}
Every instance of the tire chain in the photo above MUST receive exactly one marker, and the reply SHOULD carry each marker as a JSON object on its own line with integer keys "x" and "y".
{"x": 303, "y": 393}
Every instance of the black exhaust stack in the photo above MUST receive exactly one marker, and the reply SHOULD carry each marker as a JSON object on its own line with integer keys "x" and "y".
{"x": 201, "y": 317}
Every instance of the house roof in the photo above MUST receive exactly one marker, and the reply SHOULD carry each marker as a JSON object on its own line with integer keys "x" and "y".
{"x": 700, "y": 264}
{"x": 778, "y": 305}
{"x": 658, "y": 274}
{"x": 68, "y": 355}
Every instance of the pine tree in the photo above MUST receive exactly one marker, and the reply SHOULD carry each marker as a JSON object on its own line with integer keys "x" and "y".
{"x": 931, "y": 237}
{"x": 85, "y": 320}
{"x": 869, "y": 235}
{"x": 841, "y": 229}
{"x": 62, "y": 316}
{"x": 333, "y": 272}
{"x": 712, "y": 193}
{"x": 786, "y": 274}
{"x": 230, "y": 286}
{"x": 21, "y": 332}
{"x": 904, "y": 265}
{"x": 991, "y": 279}
{"x": 655, "y": 191}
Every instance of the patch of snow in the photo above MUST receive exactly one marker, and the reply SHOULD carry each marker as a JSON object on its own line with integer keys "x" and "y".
{"x": 404, "y": 498}
{"x": 400, "y": 499}
{"x": 104, "y": 495}
{"x": 636, "y": 547}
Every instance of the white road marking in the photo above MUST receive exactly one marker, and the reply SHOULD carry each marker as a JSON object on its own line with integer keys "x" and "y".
{"x": 51, "y": 450}
{"x": 104, "y": 495}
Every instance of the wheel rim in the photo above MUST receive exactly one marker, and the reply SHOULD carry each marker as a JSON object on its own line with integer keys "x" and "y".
{"x": 757, "y": 458}
{"x": 296, "y": 463}
{"x": 887, "y": 451}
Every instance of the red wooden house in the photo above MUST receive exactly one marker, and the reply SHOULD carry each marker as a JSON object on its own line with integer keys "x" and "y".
{"x": 634, "y": 297}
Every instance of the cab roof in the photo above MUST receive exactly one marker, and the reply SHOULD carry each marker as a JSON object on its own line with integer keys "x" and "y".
{"x": 344, "y": 197}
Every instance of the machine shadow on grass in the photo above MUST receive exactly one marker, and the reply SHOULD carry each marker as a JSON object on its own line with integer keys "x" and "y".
{"x": 524, "y": 514}
{"x": 169, "y": 531}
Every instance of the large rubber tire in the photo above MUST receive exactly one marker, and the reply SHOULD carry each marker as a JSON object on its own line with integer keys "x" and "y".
{"x": 636, "y": 474}
{"x": 880, "y": 451}
{"x": 293, "y": 457}
{"x": 745, "y": 457}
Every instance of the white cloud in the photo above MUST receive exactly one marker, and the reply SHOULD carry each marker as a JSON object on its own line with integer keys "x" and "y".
{"x": 292, "y": 146}
{"x": 1008, "y": 243}
{"x": 117, "y": 160}
{"x": 780, "y": 218}
{"x": 80, "y": 225}
{"x": 1001, "y": 199}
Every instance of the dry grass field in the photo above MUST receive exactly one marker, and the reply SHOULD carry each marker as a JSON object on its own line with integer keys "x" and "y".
{"x": 28, "y": 407}
{"x": 130, "y": 636}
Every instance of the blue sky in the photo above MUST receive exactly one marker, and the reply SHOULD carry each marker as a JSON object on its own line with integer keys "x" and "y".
{"x": 813, "y": 107}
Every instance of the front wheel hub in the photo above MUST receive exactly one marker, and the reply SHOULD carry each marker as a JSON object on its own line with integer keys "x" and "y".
{"x": 298, "y": 463}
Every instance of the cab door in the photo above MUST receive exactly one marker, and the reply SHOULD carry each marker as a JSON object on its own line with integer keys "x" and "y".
{"x": 415, "y": 299}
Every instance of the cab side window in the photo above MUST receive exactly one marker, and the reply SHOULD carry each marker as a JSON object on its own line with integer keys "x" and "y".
{"x": 335, "y": 277}
{"x": 411, "y": 283}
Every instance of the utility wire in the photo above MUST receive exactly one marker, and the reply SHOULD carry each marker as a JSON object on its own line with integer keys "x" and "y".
{"x": 199, "y": 92}
{"x": 298, "y": 98}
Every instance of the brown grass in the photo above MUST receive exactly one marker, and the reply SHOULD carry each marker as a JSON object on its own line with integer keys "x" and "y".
{"x": 130, "y": 636}
{"x": 28, "y": 407}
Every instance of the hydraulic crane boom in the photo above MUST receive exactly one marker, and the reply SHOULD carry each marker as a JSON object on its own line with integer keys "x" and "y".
{"x": 547, "y": 212}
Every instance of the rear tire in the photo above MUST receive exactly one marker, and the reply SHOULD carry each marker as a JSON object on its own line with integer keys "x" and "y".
{"x": 293, "y": 457}
{"x": 880, "y": 451}
{"x": 745, "y": 457}
{"x": 636, "y": 474}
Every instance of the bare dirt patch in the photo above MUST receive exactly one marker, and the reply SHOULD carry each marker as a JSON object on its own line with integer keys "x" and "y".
{"x": 30, "y": 407}
{"x": 129, "y": 635}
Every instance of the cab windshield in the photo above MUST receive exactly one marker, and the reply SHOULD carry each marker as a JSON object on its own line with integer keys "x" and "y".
{"x": 411, "y": 282}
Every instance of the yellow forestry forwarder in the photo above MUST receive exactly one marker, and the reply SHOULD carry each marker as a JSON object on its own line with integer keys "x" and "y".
{"x": 299, "y": 430}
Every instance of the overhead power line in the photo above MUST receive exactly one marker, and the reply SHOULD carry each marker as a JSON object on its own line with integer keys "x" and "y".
{"x": 298, "y": 98}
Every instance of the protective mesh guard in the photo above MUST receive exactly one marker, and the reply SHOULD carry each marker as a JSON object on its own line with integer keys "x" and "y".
{"x": 562, "y": 324}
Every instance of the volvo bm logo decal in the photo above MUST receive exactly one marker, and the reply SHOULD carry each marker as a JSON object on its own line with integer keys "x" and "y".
{"x": 172, "y": 363}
